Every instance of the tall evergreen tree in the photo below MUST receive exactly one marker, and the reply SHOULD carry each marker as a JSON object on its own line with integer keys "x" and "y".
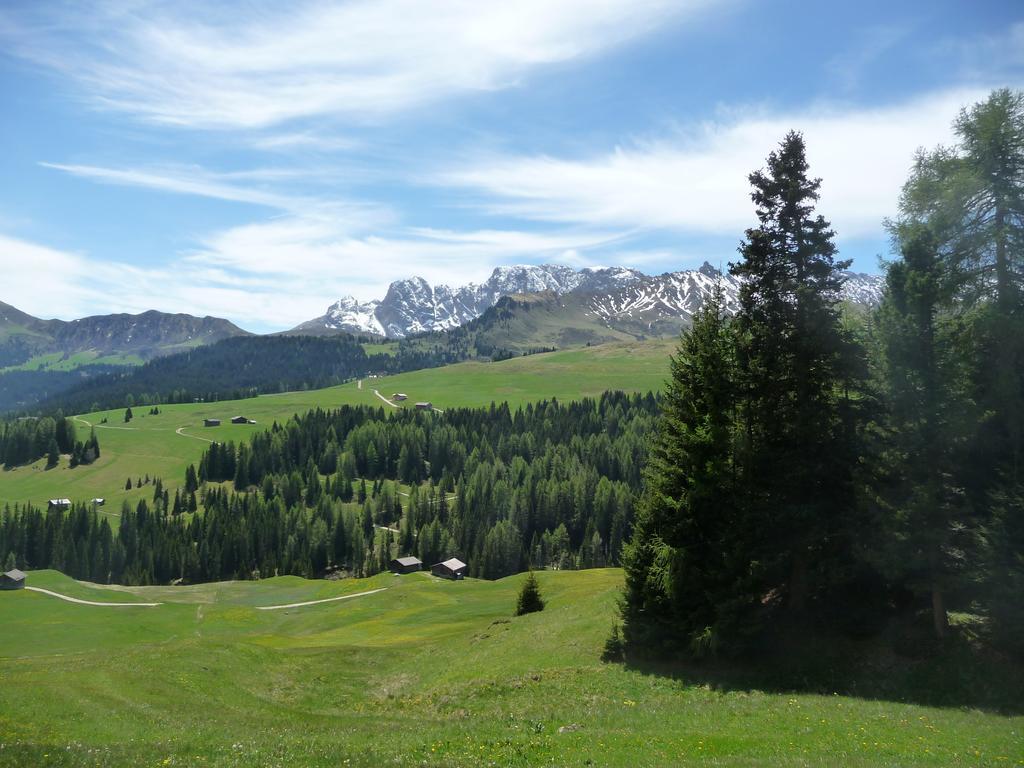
{"x": 928, "y": 418}
{"x": 791, "y": 352}
{"x": 677, "y": 564}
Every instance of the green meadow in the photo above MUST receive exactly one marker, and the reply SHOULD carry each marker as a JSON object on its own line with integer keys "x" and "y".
{"x": 165, "y": 444}
{"x": 427, "y": 672}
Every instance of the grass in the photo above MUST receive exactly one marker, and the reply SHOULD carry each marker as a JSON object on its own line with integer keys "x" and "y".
{"x": 427, "y": 672}
{"x": 152, "y": 445}
{"x": 59, "y": 361}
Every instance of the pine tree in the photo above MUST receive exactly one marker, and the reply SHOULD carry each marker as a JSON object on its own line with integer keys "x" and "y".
{"x": 928, "y": 418}
{"x": 530, "y": 600}
{"x": 791, "y": 349}
{"x": 52, "y": 455}
{"x": 678, "y": 562}
{"x": 127, "y": 415}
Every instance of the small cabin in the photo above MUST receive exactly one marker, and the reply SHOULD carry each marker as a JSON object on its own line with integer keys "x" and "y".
{"x": 13, "y": 579}
{"x": 399, "y": 397}
{"x": 59, "y": 504}
{"x": 425, "y": 406}
{"x": 450, "y": 569}
{"x": 98, "y": 502}
{"x": 406, "y": 565}
{"x": 211, "y": 422}
{"x": 241, "y": 420}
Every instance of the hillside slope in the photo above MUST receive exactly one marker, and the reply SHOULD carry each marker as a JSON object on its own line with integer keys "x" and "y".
{"x": 426, "y": 672}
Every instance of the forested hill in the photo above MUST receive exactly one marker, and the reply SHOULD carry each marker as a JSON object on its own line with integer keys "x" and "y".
{"x": 550, "y": 484}
{"x": 239, "y": 367}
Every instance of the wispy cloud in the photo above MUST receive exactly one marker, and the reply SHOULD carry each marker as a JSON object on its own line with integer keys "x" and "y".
{"x": 194, "y": 65}
{"x": 987, "y": 56}
{"x": 849, "y": 67}
{"x": 696, "y": 181}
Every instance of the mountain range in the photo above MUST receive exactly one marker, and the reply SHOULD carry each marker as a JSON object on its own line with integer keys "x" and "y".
{"x": 618, "y": 298}
{"x": 144, "y": 336}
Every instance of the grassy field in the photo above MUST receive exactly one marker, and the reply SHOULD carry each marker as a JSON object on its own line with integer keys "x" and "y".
{"x": 58, "y": 361}
{"x": 164, "y": 445}
{"x": 428, "y": 673}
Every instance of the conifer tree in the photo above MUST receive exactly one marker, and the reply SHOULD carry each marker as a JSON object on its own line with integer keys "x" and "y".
{"x": 791, "y": 349}
{"x": 530, "y": 600}
{"x": 676, "y": 565}
{"x": 928, "y": 419}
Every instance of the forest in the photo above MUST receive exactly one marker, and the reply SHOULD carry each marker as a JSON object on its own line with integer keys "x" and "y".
{"x": 812, "y": 476}
{"x": 242, "y": 367}
{"x": 550, "y": 485}
{"x": 28, "y": 439}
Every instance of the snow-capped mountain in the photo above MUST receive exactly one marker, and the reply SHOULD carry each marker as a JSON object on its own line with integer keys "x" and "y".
{"x": 615, "y": 295}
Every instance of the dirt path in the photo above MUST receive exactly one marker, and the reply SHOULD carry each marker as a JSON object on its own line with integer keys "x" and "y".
{"x": 317, "y": 602}
{"x": 104, "y": 426}
{"x": 90, "y": 602}
{"x": 178, "y": 431}
{"x": 378, "y": 394}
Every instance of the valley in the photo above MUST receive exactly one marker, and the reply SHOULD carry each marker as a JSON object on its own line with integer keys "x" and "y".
{"x": 164, "y": 445}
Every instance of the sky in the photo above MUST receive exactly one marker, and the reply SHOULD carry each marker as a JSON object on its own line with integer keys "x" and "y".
{"x": 259, "y": 160}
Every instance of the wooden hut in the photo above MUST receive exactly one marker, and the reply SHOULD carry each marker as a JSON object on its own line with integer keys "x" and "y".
{"x": 406, "y": 565}
{"x": 240, "y": 420}
{"x": 211, "y": 422}
{"x": 426, "y": 406}
{"x": 13, "y": 579}
{"x": 450, "y": 569}
{"x": 59, "y": 504}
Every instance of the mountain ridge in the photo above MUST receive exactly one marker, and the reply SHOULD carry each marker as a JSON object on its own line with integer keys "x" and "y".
{"x": 620, "y": 297}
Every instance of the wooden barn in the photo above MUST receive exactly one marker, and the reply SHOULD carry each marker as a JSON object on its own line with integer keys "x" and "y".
{"x": 98, "y": 502}
{"x": 425, "y": 406}
{"x": 406, "y": 565}
{"x": 399, "y": 397}
{"x": 13, "y": 579}
{"x": 211, "y": 422}
{"x": 450, "y": 569}
{"x": 241, "y": 420}
{"x": 61, "y": 504}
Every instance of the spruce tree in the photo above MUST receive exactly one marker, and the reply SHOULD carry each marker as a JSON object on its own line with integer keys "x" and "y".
{"x": 796, "y": 461}
{"x": 676, "y": 564}
{"x": 928, "y": 418}
{"x": 530, "y": 600}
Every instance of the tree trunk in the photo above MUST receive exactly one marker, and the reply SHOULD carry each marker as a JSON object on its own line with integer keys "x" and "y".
{"x": 939, "y": 618}
{"x": 798, "y": 584}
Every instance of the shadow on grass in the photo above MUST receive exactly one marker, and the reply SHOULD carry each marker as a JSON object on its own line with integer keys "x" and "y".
{"x": 960, "y": 673}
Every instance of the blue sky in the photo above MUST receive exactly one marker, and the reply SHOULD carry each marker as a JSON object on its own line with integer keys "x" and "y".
{"x": 257, "y": 161}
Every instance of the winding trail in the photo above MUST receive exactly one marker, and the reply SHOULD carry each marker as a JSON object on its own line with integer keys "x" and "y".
{"x": 91, "y": 602}
{"x": 378, "y": 394}
{"x": 104, "y": 426}
{"x": 178, "y": 431}
{"x": 317, "y": 602}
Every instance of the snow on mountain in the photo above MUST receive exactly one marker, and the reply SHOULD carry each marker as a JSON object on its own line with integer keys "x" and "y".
{"x": 614, "y": 294}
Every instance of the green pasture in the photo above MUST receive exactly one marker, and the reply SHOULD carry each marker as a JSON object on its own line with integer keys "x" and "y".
{"x": 164, "y": 445}
{"x": 428, "y": 672}
{"x": 60, "y": 361}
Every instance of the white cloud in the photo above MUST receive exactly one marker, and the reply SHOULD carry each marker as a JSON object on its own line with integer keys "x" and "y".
{"x": 316, "y": 251}
{"x": 190, "y": 64}
{"x": 188, "y": 181}
{"x": 697, "y": 182}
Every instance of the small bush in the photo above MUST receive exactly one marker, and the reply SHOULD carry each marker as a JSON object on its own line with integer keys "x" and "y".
{"x": 530, "y": 600}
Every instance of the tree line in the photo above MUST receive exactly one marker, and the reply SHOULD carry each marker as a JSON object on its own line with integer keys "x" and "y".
{"x": 23, "y": 441}
{"x": 550, "y": 484}
{"x": 812, "y": 474}
{"x": 242, "y": 367}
